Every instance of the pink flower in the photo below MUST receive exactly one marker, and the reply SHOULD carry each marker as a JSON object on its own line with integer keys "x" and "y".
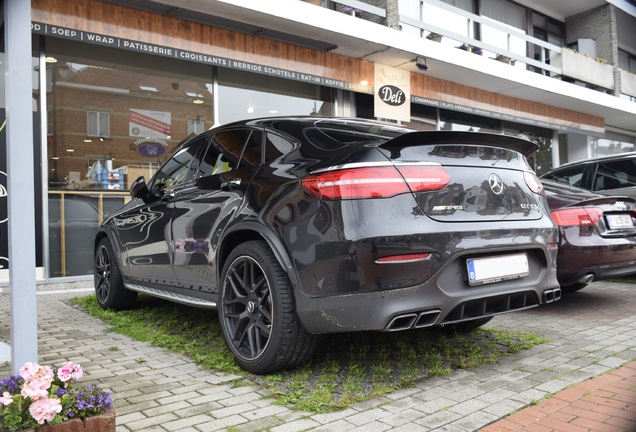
{"x": 6, "y": 399}
{"x": 37, "y": 380}
{"x": 28, "y": 369}
{"x": 35, "y": 389}
{"x": 45, "y": 409}
{"x": 69, "y": 371}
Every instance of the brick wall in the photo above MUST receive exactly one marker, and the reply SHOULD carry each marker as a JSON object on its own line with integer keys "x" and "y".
{"x": 598, "y": 24}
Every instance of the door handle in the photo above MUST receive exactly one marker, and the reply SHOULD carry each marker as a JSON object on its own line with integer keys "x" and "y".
{"x": 228, "y": 185}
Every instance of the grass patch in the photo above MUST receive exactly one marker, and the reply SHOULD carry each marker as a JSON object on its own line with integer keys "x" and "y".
{"x": 347, "y": 368}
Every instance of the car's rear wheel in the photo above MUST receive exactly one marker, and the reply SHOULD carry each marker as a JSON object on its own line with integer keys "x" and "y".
{"x": 109, "y": 285}
{"x": 258, "y": 314}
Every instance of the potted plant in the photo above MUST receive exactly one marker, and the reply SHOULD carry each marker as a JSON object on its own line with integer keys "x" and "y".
{"x": 435, "y": 37}
{"x": 351, "y": 11}
{"x": 505, "y": 59}
{"x": 43, "y": 398}
{"x": 470, "y": 48}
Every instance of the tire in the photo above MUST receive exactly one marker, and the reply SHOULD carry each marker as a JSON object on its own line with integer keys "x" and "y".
{"x": 109, "y": 285}
{"x": 466, "y": 326}
{"x": 257, "y": 312}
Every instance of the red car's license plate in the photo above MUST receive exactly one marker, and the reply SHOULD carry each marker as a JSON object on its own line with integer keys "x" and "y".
{"x": 619, "y": 221}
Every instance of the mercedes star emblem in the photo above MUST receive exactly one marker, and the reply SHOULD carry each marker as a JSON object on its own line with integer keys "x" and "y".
{"x": 496, "y": 184}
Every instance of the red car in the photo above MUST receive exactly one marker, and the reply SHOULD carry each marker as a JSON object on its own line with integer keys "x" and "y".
{"x": 597, "y": 234}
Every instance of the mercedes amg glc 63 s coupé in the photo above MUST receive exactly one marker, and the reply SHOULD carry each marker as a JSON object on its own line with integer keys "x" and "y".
{"x": 299, "y": 226}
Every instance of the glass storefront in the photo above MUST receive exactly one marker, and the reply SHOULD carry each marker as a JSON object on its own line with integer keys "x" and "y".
{"x": 113, "y": 116}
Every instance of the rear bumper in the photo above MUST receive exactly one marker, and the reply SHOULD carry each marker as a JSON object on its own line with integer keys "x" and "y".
{"x": 409, "y": 308}
{"x": 444, "y": 299}
{"x": 593, "y": 255}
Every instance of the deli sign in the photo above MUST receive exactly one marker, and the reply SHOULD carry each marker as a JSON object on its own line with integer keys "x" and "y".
{"x": 393, "y": 93}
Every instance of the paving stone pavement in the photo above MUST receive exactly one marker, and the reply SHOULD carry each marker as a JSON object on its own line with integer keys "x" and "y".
{"x": 591, "y": 333}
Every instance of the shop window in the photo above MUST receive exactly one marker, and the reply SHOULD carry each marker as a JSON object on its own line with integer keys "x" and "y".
{"x": 458, "y": 121}
{"x": 611, "y": 144}
{"x": 244, "y": 95}
{"x": 98, "y": 124}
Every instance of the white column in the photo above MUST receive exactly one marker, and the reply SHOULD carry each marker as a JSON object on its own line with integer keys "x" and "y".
{"x": 20, "y": 180}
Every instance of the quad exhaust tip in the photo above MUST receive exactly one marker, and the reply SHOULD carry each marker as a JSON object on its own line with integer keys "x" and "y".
{"x": 552, "y": 295}
{"x": 413, "y": 320}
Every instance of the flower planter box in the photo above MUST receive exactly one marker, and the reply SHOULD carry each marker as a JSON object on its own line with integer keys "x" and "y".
{"x": 581, "y": 67}
{"x": 99, "y": 423}
{"x": 628, "y": 83}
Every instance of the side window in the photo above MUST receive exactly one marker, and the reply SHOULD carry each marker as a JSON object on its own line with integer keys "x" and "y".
{"x": 276, "y": 146}
{"x": 253, "y": 153}
{"x": 176, "y": 170}
{"x": 227, "y": 149}
{"x": 571, "y": 176}
{"x": 615, "y": 175}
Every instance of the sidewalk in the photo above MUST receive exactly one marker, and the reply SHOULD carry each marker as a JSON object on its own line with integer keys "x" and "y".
{"x": 603, "y": 404}
{"x": 557, "y": 386}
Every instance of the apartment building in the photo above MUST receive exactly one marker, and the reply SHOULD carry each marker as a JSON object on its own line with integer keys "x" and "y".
{"x": 118, "y": 84}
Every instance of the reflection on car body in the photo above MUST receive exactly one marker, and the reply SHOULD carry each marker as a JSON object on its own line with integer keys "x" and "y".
{"x": 321, "y": 225}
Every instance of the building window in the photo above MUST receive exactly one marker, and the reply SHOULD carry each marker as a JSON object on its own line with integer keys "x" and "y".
{"x": 195, "y": 126}
{"x": 626, "y": 60}
{"x": 98, "y": 124}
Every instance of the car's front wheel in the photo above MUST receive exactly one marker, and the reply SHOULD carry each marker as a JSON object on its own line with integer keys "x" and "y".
{"x": 258, "y": 314}
{"x": 109, "y": 285}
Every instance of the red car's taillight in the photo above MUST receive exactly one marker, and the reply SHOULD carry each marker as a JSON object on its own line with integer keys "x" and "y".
{"x": 577, "y": 217}
{"x": 376, "y": 182}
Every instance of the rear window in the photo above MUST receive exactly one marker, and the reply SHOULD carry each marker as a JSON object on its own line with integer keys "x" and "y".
{"x": 571, "y": 175}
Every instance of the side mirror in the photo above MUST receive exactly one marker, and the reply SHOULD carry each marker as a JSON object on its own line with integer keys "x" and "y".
{"x": 139, "y": 189}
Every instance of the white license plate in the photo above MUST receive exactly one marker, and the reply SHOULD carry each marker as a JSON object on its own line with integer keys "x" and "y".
{"x": 619, "y": 221}
{"x": 498, "y": 268}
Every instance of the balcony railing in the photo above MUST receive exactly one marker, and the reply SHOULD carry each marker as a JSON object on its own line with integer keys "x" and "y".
{"x": 547, "y": 58}
{"x": 547, "y": 50}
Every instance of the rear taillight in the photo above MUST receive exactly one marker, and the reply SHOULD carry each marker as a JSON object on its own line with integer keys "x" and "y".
{"x": 533, "y": 182}
{"x": 376, "y": 182}
{"x": 577, "y": 217}
{"x": 401, "y": 259}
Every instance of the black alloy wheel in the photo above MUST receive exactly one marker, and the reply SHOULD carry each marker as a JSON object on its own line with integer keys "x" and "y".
{"x": 109, "y": 285}
{"x": 257, "y": 312}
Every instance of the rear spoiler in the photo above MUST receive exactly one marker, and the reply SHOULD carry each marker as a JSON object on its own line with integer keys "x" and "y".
{"x": 507, "y": 142}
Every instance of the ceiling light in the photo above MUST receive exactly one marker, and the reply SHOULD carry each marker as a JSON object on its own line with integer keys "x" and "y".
{"x": 50, "y": 59}
{"x": 420, "y": 62}
{"x": 197, "y": 101}
{"x": 364, "y": 83}
{"x": 88, "y": 140}
{"x": 148, "y": 88}
{"x": 55, "y": 157}
{"x": 70, "y": 150}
